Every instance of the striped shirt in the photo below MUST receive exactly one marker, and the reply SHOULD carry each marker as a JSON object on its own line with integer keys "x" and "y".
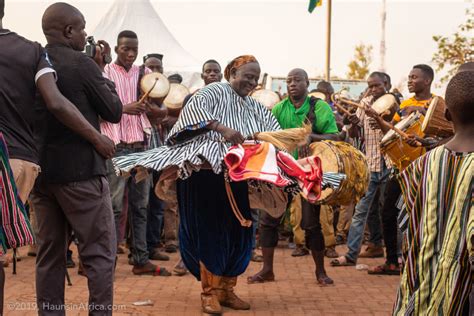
{"x": 191, "y": 144}
{"x": 15, "y": 228}
{"x": 372, "y": 139}
{"x": 438, "y": 189}
{"x": 132, "y": 128}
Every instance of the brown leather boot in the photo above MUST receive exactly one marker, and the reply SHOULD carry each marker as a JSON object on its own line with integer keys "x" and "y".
{"x": 209, "y": 301}
{"x": 227, "y": 296}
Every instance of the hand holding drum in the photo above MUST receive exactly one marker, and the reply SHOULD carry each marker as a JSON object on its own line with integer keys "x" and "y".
{"x": 154, "y": 85}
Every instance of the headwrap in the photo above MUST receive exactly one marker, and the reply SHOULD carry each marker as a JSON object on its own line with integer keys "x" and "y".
{"x": 238, "y": 62}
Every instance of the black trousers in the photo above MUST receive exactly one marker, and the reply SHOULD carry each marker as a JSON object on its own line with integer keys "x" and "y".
{"x": 268, "y": 230}
{"x": 310, "y": 222}
{"x": 86, "y": 207}
{"x": 389, "y": 219}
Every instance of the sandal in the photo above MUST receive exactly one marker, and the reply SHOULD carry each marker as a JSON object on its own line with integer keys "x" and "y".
{"x": 342, "y": 262}
{"x": 257, "y": 278}
{"x": 324, "y": 280}
{"x": 385, "y": 269}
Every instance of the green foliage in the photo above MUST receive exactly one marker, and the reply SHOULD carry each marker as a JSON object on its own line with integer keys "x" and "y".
{"x": 359, "y": 66}
{"x": 456, "y": 49}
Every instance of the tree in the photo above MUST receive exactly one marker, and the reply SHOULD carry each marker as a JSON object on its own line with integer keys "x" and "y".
{"x": 359, "y": 66}
{"x": 456, "y": 49}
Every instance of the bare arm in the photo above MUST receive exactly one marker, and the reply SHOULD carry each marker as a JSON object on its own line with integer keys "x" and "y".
{"x": 154, "y": 111}
{"x": 69, "y": 115}
{"x": 354, "y": 129}
{"x": 383, "y": 125}
{"x": 377, "y": 121}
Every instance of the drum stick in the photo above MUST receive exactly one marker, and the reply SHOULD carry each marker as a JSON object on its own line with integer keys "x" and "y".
{"x": 402, "y": 133}
{"x": 397, "y": 130}
{"x": 335, "y": 100}
{"x": 148, "y": 92}
{"x": 354, "y": 104}
{"x": 340, "y": 107}
{"x": 366, "y": 93}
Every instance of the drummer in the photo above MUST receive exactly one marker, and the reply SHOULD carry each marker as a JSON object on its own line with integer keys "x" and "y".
{"x": 130, "y": 136}
{"x": 291, "y": 113}
{"x": 420, "y": 79}
{"x": 326, "y": 88}
{"x": 175, "y": 78}
{"x": 434, "y": 142}
{"x": 419, "y": 83}
{"x": 379, "y": 170}
{"x": 389, "y": 212}
{"x": 154, "y": 62}
{"x": 158, "y": 211}
{"x": 211, "y": 72}
{"x": 431, "y": 142}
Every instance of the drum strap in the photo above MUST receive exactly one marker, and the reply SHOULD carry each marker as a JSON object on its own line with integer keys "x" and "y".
{"x": 311, "y": 117}
{"x": 141, "y": 73}
{"x": 304, "y": 151}
{"x": 235, "y": 208}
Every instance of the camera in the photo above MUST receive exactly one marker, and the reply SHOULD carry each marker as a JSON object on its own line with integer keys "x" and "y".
{"x": 91, "y": 46}
{"x": 91, "y": 50}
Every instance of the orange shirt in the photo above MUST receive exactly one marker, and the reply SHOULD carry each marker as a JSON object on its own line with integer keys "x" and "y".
{"x": 411, "y": 102}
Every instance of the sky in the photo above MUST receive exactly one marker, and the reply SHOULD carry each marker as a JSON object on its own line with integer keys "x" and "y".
{"x": 281, "y": 33}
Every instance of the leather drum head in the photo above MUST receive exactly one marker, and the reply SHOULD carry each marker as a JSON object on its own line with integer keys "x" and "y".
{"x": 329, "y": 162}
{"x": 328, "y": 156}
{"x": 391, "y": 135}
{"x": 431, "y": 110}
{"x": 176, "y": 95}
{"x": 403, "y": 125}
{"x": 385, "y": 104}
{"x": 319, "y": 95}
{"x": 161, "y": 88}
{"x": 266, "y": 97}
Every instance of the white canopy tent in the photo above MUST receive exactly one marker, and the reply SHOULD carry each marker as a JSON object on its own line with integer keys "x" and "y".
{"x": 153, "y": 35}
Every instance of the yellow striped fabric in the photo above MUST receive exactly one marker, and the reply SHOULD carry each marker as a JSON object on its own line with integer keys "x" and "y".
{"x": 438, "y": 193}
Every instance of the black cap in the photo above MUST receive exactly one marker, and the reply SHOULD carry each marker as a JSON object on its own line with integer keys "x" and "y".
{"x": 159, "y": 56}
{"x": 175, "y": 78}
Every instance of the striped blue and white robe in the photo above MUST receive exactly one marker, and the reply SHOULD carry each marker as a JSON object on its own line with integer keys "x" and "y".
{"x": 190, "y": 144}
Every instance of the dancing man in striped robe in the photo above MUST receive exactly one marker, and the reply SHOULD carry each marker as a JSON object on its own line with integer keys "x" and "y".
{"x": 213, "y": 244}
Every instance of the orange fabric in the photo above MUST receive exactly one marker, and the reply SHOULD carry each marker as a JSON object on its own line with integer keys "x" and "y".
{"x": 412, "y": 102}
{"x": 254, "y": 161}
{"x": 238, "y": 62}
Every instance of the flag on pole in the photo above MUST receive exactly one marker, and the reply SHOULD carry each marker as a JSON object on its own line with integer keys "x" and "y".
{"x": 313, "y": 4}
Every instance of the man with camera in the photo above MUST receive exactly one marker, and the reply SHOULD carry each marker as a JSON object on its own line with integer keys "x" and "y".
{"x": 72, "y": 191}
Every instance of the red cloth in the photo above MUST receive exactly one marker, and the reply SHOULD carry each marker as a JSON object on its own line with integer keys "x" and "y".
{"x": 307, "y": 171}
{"x": 262, "y": 162}
{"x": 254, "y": 161}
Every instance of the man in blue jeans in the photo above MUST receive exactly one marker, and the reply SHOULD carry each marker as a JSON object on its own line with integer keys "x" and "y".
{"x": 367, "y": 210}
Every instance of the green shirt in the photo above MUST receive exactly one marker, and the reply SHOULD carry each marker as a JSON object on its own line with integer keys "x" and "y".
{"x": 290, "y": 117}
